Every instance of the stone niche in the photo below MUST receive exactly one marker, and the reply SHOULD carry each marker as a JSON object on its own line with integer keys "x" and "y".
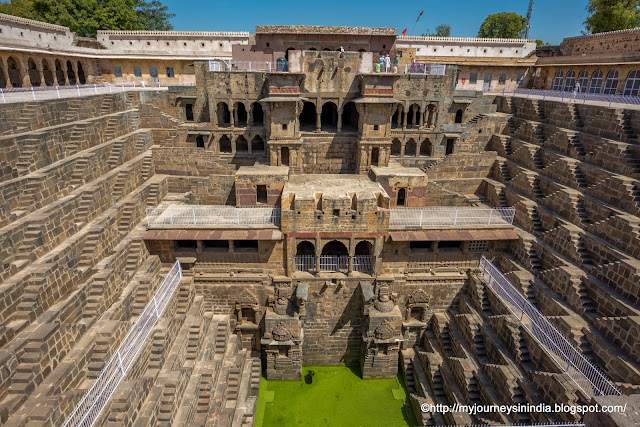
{"x": 406, "y": 187}
{"x": 382, "y": 334}
{"x": 260, "y": 185}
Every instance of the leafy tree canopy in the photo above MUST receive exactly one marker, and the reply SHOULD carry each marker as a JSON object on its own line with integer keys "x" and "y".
{"x": 508, "y": 25}
{"x": 442, "y": 30}
{"x": 542, "y": 43}
{"x": 611, "y": 15}
{"x": 86, "y": 17}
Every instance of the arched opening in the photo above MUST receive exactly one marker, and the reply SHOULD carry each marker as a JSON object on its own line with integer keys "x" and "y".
{"x": 596, "y": 82}
{"x": 414, "y": 116}
{"x": 557, "y": 81}
{"x": 81, "y": 77}
{"x": 402, "y": 196}
{"x": 335, "y": 248}
{"x": 364, "y": 248}
{"x": 396, "y": 147}
{"x": 242, "y": 146}
{"x": 398, "y": 118}
{"x": 632, "y": 84}
{"x": 410, "y": 148}
{"x": 71, "y": 73}
{"x": 583, "y": 79}
{"x": 329, "y": 117}
{"x": 223, "y": 114}
{"x": 326, "y": 49}
{"x": 305, "y": 248}
{"x": 34, "y": 74}
{"x": 349, "y": 117}
{"x": 225, "y": 144}
{"x": 15, "y": 76}
{"x": 59, "y": 73}
{"x": 241, "y": 115}
{"x": 286, "y": 52}
{"x": 284, "y": 156}
{"x": 375, "y": 154}
{"x": 47, "y": 73}
{"x": 458, "y": 116}
{"x": 305, "y": 256}
{"x": 611, "y": 84}
{"x": 426, "y": 148}
{"x": 431, "y": 116}
{"x": 200, "y": 141}
{"x": 257, "y": 144}
{"x": 256, "y": 114}
{"x": 308, "y": 117}
{"x": 570, "y": 81}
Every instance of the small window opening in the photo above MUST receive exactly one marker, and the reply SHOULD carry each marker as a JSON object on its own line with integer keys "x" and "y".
{"x": 261, "y": 194}
{"x": 246, "y": 245}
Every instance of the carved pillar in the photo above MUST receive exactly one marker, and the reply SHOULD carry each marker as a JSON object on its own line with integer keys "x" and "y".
{"x": 404, "y": 119}
{"x": 26, "y": 79}
{"x": 402, "y": 144}
{"x": 318, "y": 253}
{"x": 41, "y": 72}
{"x": 7, "y": 78}
{"x": 318, "y": 120}
{"x": 233, "y": 117}
{"x": 340, "y": 121}
{"x": 352, "y": 251}
{"x": 66, "y": 74}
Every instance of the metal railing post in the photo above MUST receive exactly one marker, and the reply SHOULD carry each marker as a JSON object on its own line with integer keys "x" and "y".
{"x": 421, "y": 212}
{"x": 455, "y": 220}
{"x": 194, "y": 216}
{"x": 78, "y": 88}
{"x": 120, "y": 362}
{"x": 33, "y": 93}
{"x": 490, "y": 215}
{"x": 171, "y": 215}
{"x": 3, "y": 98}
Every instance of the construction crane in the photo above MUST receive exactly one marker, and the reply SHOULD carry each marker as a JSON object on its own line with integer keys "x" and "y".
{"x": 529, "y": 13}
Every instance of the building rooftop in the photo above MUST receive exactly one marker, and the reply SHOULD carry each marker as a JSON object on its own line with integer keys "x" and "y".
{"x": 317, "y": 29}
{"x": 331, "y": 186}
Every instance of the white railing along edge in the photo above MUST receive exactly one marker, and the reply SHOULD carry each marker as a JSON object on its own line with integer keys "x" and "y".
{"x": 563, "y": 349}
{"x": 96, "y": 398}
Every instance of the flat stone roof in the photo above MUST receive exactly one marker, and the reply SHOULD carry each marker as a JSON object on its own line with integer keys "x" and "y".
{"x": 319, "y": 29}
{"x": 331, "y": 186}
{"x": 264, "y": 170}
{"x": 396, "y": 170}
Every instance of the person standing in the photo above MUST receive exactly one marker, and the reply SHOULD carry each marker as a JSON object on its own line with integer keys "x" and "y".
{"x": 576, "y": 89}
{"x": 396, "y": 61}
{"x": 387, "y": 64}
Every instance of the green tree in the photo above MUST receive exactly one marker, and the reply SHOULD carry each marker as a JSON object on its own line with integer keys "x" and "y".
{"x": 442, "y": 30}
{"x": 611, "y": 15}
{"x": 542, "y": 43}
{"x": 86, "y": 17}
{"x": 508, "y": 25}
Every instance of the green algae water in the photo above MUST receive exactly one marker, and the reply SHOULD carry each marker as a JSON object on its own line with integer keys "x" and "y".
{"x": 338, "y": 396}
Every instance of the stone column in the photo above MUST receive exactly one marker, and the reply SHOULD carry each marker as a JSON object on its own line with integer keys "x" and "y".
{"x": 415, "y": 116}
{"x": 26, "y": 79}
{"x": 41, "y": 71}
{"x": 404, "y": 120}
{"x": 318, "y": 253}
{"x": 249, "y": 144}
{"x": 232, "y": 116}
{"x": 318, "y": 120}
{"x": 352, "y": 251}
{"x": 231, "y": 247}
{"x": 66, "y": 74}
{"x": 402, "y": 144}
{"x": 5, "y": 71}
{"x": 340, "y": 121}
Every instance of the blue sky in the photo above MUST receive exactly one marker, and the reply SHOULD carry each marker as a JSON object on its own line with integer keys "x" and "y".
{"x": 552, "y": 19}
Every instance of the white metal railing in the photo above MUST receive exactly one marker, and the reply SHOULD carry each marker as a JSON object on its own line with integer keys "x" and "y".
{"x": 449, "y": 217}
{"x": 334, "y": 262}
{"x": 570, "y": 96}
{"x": 582, "y": 372}
{"x": 212, "y": 215}
{"x": 98, "y": 395}
{"x": 305, "y": 262}
{"x": 417, "y": 68}
{"x": 362, "y": 263}
{"x": 35, "y": 93}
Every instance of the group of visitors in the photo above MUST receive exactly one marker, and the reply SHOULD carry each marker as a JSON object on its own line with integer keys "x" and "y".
{"x": 384, "y": 64}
